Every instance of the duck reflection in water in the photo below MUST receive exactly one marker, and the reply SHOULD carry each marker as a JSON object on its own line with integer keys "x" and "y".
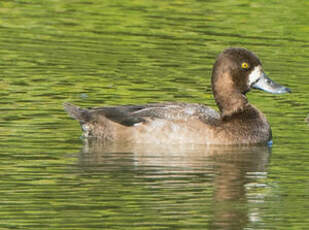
{"x": 224, "y": 171}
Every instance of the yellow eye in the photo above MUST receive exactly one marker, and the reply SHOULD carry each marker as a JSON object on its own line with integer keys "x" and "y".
{"x": 245, "y": 65}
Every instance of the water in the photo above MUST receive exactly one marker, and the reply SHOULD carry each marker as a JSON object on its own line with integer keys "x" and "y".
{"x": 131, "y": 52}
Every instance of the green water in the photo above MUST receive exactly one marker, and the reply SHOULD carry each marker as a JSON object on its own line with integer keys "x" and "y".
{"x": 94, "y": 53}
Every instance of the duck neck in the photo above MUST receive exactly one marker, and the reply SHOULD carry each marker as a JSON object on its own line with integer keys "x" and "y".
{"x": 231, "y": 103}
{"x": 228, "y": 98}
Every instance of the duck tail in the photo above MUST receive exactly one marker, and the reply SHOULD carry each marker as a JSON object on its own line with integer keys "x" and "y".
{"x": 76, "y": 112}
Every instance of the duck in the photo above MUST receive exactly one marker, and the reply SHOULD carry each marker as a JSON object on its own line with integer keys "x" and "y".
{"x": 235, "y": 72}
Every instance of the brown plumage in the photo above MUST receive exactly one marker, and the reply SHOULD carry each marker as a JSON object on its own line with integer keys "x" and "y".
{"x": 236, "y": 71}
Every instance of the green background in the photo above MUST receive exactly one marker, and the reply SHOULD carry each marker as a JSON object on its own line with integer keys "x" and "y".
{"x": 95, "y": 53}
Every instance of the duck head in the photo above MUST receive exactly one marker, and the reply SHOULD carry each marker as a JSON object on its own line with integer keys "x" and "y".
{"x": 235, "y": 72}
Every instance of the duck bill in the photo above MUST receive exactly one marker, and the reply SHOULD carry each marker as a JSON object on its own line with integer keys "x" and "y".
{"x": 263, "y": 82}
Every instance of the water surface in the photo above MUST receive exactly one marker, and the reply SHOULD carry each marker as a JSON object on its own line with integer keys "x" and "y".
{"x": 94, "y": 53}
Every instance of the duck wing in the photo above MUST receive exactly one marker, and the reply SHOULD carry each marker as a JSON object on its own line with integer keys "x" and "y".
{"x": 130, "y": 115}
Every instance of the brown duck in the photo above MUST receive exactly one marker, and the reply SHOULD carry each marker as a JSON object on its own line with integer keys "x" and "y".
{"x": 235, "y": 72}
